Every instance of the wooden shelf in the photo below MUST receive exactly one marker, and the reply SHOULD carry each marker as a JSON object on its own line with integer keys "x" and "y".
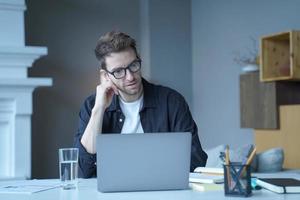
{"x": 259, "y": 101}
{"x": 280, "y": 56}
{"x": 287, "y": 137}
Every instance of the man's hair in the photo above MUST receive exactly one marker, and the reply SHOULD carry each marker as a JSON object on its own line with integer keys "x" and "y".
{"x": 113, "y": 42}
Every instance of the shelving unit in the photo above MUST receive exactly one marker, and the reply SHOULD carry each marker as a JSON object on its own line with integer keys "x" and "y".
{"x": 260, "y": 101}
{"x": 280, "y": 56}
{"x": 270, "y": 99}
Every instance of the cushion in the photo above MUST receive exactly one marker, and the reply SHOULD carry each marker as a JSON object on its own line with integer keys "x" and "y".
{"x": 270, "y": 160}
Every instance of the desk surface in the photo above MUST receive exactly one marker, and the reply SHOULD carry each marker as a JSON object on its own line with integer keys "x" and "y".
{"x": 87, "y": 189}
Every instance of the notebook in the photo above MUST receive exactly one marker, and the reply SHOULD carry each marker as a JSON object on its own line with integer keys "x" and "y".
{"x": 210, "y": 170}
{"x": 280, "y": 185}
{"x": 202, "y": 187}
{"x": 205, "y": 178}
{"x": 141, "y": 162}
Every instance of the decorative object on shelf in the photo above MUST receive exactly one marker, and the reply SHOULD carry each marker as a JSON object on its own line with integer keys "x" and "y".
{"x": 249, "y": 61}
{"x": 250, "y": 68}
{"x": 280, "y": 56}
{"x": 270, "y": 160}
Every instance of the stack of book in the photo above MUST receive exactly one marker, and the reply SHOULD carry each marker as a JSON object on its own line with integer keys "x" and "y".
{"x": 207, "y": 179}
{"x": 280, "y": 185}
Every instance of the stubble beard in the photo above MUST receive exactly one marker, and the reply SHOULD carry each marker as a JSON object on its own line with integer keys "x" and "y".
{"x": 133, "y": 91}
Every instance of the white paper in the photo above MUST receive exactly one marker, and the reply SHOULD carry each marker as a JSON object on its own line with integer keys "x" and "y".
{"x": 28, "y": 186}
{"x": 209, "y": 170}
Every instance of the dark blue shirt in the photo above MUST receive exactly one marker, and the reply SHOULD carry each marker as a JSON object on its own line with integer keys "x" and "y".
{"x": 164, "y": 110}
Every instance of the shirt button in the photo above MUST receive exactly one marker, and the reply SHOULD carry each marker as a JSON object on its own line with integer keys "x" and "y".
{"x": 120, "y": 120}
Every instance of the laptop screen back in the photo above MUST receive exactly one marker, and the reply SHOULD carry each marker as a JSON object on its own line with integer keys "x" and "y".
{"x": 140, "y": 162}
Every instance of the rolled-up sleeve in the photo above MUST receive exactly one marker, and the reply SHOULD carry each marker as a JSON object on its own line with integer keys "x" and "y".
{"x": 86, "y": 161}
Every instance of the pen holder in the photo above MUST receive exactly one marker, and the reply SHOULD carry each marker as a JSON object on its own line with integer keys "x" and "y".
{"x": 237, "y": 180}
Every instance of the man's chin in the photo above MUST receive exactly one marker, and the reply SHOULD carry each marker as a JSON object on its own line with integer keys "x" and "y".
{"x": 133, "y": 89}
{"x": 132, "y": 92}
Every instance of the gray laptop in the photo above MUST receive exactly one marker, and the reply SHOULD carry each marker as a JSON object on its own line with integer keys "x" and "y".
{"x": 140, "y": 162}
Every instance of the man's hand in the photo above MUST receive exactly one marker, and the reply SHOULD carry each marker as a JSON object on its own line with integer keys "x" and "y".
{"x": 104, "y": 92}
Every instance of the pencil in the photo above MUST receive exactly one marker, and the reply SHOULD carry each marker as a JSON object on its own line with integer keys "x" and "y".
{"x": 227, "y": 162}
{"x": 227, "y": 155}
{"x": 250, "y": 158}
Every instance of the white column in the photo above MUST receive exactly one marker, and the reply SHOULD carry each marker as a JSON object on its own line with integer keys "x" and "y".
{"x": 16, "y": 91}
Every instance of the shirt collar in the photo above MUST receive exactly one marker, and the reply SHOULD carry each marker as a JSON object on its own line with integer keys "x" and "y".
{"x": 150, "y": 98}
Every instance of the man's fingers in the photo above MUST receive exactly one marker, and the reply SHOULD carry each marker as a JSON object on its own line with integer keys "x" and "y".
{"x": 109, "y": 86}
{"x": 110, "y": 93}
{"x": 112, "y": 88}
{"x": 116, "y": 91}
{"x": 103, "y": 76}
{"x": 106, "y": 82}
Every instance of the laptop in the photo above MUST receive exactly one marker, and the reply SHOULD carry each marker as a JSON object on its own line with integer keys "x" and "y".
{"x": 143, "y": 162}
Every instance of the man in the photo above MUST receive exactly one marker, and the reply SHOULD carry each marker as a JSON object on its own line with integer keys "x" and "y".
{"x": 126, "y": 103}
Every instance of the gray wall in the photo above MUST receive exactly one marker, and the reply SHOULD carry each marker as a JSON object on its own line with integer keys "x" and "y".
{"x": 170, "y": 44}
{"x": 70, "y": 29}
{"x": 219, "y": 29}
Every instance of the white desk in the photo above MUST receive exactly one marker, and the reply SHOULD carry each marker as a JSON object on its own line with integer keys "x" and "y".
{"x": 87, "y": 190}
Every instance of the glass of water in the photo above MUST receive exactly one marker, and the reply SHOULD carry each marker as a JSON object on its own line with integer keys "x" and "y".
{"x": 68, "y": 167}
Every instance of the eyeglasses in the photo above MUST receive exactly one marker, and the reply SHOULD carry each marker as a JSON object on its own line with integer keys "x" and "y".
{"x": 133, "y": 67}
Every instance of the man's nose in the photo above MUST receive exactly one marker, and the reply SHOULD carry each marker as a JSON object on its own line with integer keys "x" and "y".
{"x": 129, "y": 75}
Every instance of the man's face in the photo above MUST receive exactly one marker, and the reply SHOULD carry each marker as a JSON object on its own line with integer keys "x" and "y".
{"x": 130, "y": 86}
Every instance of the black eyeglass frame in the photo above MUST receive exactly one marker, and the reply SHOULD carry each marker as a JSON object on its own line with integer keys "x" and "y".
{"x": 126, "y": 68}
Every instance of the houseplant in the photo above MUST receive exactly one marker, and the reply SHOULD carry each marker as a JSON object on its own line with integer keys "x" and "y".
{"x": 249, "y": 61}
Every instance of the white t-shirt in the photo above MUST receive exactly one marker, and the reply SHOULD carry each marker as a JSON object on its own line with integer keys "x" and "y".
{"x": 131, "y": 110}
